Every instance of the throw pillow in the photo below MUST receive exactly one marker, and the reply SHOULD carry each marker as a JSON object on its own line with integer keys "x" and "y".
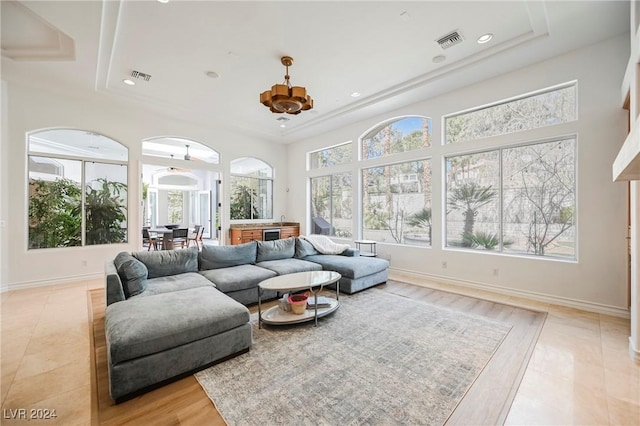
{"x": 164, "y": 263}
{"x": 216, "y": 257}
{"x": 304, "y": 248}
{"x": 133, "y": 274}
{"x": 276, "y": 249}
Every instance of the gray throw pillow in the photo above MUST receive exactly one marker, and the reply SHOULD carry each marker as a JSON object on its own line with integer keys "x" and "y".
{"x": 123, "y": 256}
{"x": 164, "y": 263}
{"x": 304, "y": 248}
{"x": 276, "y": 250}
{"x": 133, "y": 274}
{"x": 216, "y": 257}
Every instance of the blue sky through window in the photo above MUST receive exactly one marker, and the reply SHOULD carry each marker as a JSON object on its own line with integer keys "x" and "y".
{"x": 409, "y": 124}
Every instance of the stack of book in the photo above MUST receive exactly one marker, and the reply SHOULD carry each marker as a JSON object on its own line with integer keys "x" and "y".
{"x": 321, "y": 302}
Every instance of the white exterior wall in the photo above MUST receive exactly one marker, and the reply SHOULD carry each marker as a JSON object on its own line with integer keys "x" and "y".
{"x": 598, "y": 280}
{"x": 26, "y": 109}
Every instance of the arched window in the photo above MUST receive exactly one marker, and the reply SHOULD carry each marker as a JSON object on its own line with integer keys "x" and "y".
{"x": 77, "y": 189}
{"x": 396, "y": 196}
{"x": 180, "y": 149}
{"x": 395, "y": 136}
{"x": 251, "y": 189}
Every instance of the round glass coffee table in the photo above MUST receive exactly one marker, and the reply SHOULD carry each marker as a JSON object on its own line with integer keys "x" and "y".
{"x": 314, "y": 281}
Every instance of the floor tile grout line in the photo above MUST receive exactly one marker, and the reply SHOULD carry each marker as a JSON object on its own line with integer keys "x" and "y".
{"x": 40, "y": 314}
{"x": 31, "y": 336}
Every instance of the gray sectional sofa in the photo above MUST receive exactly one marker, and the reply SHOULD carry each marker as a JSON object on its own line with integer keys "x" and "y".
{"x": 170, "y": 313}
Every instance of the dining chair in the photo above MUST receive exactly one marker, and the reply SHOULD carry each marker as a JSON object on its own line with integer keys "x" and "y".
{"x": 166, "y": 241}
{"x": 199, "y": 236}
{"x": 194, "y": 236}
{"x": 149, "y": 240}
{"x": 180, "y": 235}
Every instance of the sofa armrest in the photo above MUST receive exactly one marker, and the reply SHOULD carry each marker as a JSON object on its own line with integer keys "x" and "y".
{"x": 351, "y": 252}
{"x": 113, "y": 285}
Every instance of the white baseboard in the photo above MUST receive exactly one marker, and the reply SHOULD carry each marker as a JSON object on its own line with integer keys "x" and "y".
{"x": 634, "y": 352}
{"x": 540, "y": 297}
{"x": 50, "y": 282}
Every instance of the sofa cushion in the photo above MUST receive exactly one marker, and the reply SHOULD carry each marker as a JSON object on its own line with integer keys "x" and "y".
{"x": 169, "y": 262}
{"x": 276, "y": 249}
{"x": 304, "y": 248}
{"x": 350, "y": 267}
{"x": 216, "y": 257}
{"x": 143, "y": 326}
{"x": 133, "y": 274}
{"x": 172, "y": 283}
{"x": 236, "y": 278}
{"x": 289, "y": 266}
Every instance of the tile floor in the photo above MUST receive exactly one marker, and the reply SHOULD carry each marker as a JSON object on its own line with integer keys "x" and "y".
{"x": 580, "y": 371}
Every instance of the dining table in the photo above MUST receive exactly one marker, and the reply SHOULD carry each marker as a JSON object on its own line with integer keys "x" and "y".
{"x": 167, "y": 243}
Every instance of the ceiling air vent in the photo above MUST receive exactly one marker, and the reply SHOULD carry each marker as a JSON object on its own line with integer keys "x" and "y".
{"x": 140, "y": 75}
{"x": 450, "y": 39}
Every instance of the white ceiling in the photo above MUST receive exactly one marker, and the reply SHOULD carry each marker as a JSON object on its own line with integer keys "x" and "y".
{"x": 382, "y": 49}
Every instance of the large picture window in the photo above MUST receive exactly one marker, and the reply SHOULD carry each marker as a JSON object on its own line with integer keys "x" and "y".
{"x": 77, "y": 189}
{"x": 251, "y": 189}
{"x": 331, "y": 205}
{"x": 514, "y": 200}
{"x": 396, "y": 203}
{"x": 511, "y": 195}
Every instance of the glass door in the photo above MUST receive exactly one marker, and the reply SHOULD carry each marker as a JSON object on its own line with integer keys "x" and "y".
{"x": 204, "y": 213}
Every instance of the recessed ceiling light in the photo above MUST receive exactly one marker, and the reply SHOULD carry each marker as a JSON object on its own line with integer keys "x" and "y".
{"x": 129, "y": 82}
{"x": 212, "y": 74}
{"x": 283, "y": 125}
{"x": 355, "y": 94}
{"x": 438, "y": 59}
{"x": 485, "y": 38}
{"x": 163, "y": 1}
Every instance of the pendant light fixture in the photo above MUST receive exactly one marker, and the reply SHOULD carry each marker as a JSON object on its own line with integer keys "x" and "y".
{"x": 285, "y": 98}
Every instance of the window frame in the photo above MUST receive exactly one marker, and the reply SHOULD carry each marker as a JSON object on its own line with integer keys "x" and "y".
{"x": 330, "y": 195}
{"x": 376, "y": 129}
{"x": 258, "y": 180}
{"x": 310, "y": 154}
{"x": 445, "y": 117}
{"x": 398, "y": 161}
{"x": 500, "y": 149}
{"x": 83, "y": 160}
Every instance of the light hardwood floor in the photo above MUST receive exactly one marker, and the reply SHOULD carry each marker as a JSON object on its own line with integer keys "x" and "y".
{"x": 580, "y": 371}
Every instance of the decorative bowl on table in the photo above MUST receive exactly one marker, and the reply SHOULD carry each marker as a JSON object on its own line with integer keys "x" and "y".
{"x": 298, "y": 303}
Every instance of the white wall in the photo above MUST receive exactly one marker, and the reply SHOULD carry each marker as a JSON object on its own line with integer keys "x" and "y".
{"x": 599, "y": 279}
{"x": 4, "y": 206}
{"x": 26, "y": 109}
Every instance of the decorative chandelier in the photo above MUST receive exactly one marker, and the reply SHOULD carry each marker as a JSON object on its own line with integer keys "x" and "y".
{"x": 284, "y": 97}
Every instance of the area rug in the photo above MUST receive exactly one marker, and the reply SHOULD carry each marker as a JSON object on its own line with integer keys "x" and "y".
{"x": 379, "y": 359}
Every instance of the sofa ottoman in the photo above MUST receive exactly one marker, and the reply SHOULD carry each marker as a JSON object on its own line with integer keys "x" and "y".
{"x": 358, "y": 272}
{"x": 156, "y": 339}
